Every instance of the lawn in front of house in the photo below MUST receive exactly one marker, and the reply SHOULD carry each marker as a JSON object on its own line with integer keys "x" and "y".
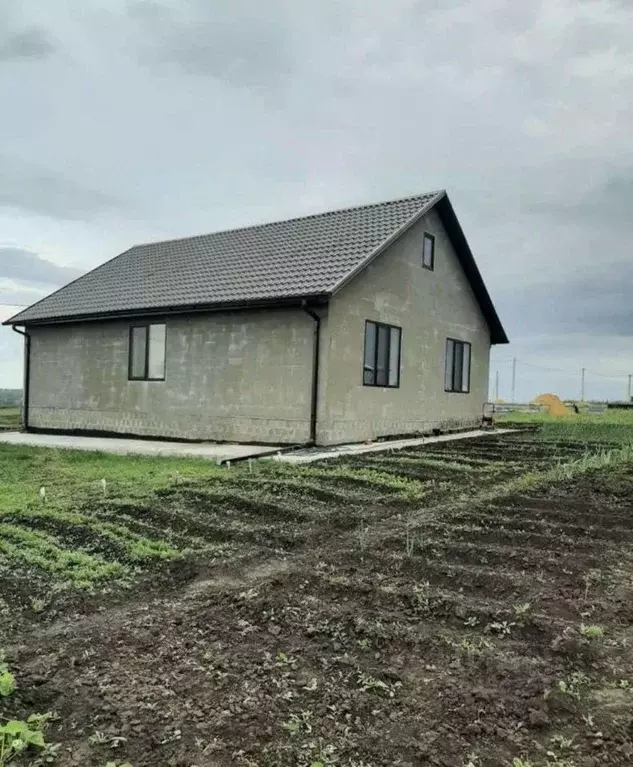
{"x": 463, "y": 603}
{"x": 9, "y": 418}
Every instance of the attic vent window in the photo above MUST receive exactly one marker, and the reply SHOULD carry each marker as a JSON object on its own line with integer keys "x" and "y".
{"x": 147, "y": 353}
{"x": 428, "y": 251}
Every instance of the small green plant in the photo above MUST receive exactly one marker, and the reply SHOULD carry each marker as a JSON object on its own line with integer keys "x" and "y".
{"x": 298, "y": 723}
{"x": 516, "y": 762}
{"x": 410, "y": 542}
{"x": 38, "y": 605}
{"x": 503, "y": 628}
{"x": 591, "y": 632}
{"x": 522, "y": 612}
{"x": 284, "y": 660}
{"x": 591, "y": 578}
{"x": 562, "y": 743}
{"x": 98, "y": 738}
{"x": 421, "y": 597}
{"x": 471, "y": 646}
{"x": 323, "y": 756}
{"x": 574, "y": 685}
{"x": 118, "y": 764}
{"x": 19, "y": 736}
{"x": 7, "y": 680}
{"x": 368, "y": 683}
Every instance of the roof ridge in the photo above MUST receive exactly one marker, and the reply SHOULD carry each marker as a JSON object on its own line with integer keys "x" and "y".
{"x": 264, "y": 224}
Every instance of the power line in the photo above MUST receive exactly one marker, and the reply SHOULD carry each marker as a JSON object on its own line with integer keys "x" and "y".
{"x": 569, "y": 371}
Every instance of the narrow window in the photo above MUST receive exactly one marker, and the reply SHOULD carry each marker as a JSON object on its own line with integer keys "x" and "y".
{"x": 457, "y": 370}
{"x": 382, "y": 357}
{"x": 428, "y": 251}
{"x": 381, "y": 361}
{"x": 369, "y": 368}
{"x": 156, "y": 356}
{"x": 147, "y": 352}
{"x": 450, "y": 356}
{"x": 394, "y": 357}
{"x": 466, "y": 369}
{"x": 138, "y": 352}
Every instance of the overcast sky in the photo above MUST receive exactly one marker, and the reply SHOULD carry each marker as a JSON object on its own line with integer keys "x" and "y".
{"x": 124, "y": 122}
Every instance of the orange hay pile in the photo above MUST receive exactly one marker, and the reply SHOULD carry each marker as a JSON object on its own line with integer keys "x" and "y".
{"x": 554, "y": 404}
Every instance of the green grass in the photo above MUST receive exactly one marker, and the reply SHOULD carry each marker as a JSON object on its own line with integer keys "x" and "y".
{"x": 38, "y": 534}
{"x": 69, "y": 476}
{"x": 9, "y": 417}
{"x": 157, "y": 510}
{"x": 610, "y": 426}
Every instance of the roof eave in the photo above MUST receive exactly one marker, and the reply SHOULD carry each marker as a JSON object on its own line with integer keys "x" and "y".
{"x": 315, "y": 299}
{"x": 465, "y": 255}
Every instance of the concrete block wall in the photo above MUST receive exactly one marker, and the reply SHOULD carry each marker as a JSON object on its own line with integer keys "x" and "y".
{"x": 429, "y": 306}
{"x": 240, "y": 376}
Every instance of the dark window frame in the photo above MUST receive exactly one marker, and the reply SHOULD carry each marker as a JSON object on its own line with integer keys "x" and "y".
{"x": 145, "y": 376}
{"x": 464, "y": 344}
{"x": 431, "y": 237}
{"x": 388, "y": 356}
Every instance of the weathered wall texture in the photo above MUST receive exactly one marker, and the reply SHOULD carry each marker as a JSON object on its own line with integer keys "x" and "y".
{"x": 429, "y": 306}
{"x": 235, "y": 376}
{"x": 247, "y": 376}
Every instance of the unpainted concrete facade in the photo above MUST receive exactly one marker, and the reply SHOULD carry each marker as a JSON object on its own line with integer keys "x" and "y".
{"x": 429, "y": 306}
{"x": 247, "y": 376}
{"x": 240, "y": 376}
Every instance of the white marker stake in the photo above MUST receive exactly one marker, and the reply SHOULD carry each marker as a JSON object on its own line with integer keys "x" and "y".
{"x": 43, "y": 494}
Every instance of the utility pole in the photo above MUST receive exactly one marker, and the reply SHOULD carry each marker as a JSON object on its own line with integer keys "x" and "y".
{"x": 630, "y": 397}
{"x": 496, "y": 386}
{"x": 514, "y": 377}
{"x": 582, "y": 385}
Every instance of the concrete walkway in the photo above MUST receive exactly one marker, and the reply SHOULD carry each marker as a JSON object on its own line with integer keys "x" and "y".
{"x": 218, "y": 452}
{"x": 307, "y": 455}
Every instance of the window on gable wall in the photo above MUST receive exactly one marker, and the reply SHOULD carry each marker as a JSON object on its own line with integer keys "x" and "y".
{"x": 428, "y": 251}
{"x": 381, "y": 364}
{"x": 147, "y": 352}
{"x": 457, "y": 370}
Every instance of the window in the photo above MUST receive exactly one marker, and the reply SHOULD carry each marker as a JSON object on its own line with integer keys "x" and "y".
{"x": 457, "y": 372}
{"x": 381, "y": 365}
{"x": 147, "y": 353}
{"x": 428, "y": 251}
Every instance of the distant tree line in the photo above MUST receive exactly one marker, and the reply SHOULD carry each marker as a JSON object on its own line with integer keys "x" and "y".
{"x": 10, "y": 397}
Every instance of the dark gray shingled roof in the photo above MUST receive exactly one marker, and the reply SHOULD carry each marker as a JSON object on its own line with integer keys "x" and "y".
{"x": 302, "y": 258}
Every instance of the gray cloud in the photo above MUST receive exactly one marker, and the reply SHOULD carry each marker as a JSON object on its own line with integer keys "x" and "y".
{"x": 600, "y": 305}
{"x": 38, "y": 190}
{"x": 609, "y": 203}
{"x": 182, "y": 116}
{"x": 32, "y": 43}
{"x": 25, "y": 266}
{"x": 19, "y": 298}
{"x": 240, "y": 42}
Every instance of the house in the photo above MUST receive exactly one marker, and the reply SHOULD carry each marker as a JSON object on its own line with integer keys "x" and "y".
{"x": 343, "y": 326}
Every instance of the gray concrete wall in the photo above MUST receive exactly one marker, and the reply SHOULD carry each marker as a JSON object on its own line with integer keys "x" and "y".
{"x": 429, "y": 306}
{"x": 241, "y": 376}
